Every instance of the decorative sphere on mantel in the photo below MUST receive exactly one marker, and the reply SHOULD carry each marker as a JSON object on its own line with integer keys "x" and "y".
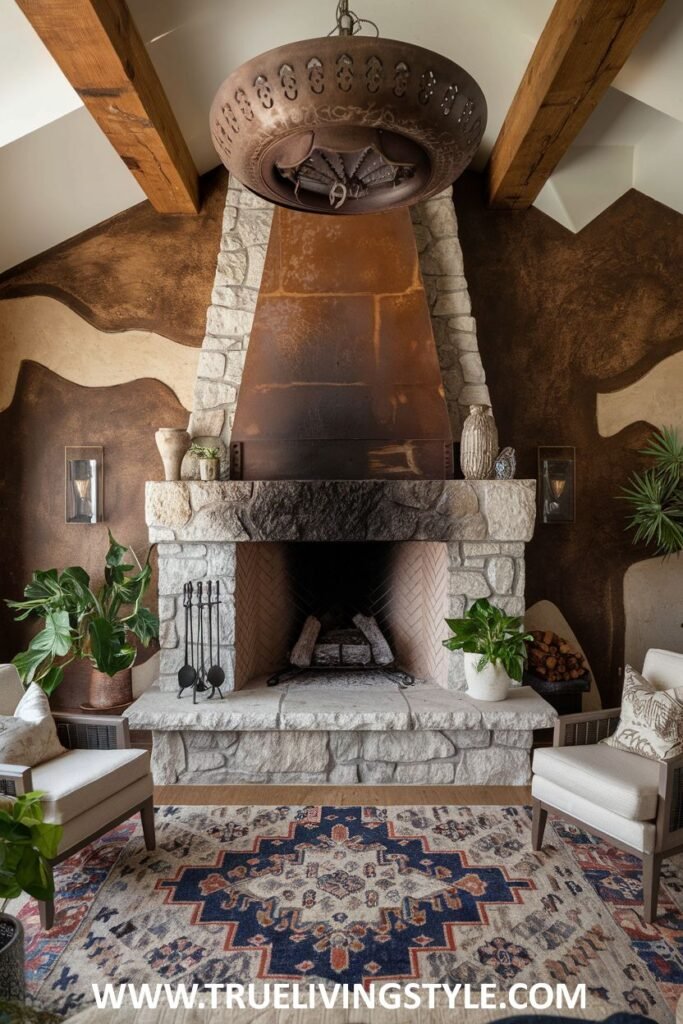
{"x": 478, "y": 444}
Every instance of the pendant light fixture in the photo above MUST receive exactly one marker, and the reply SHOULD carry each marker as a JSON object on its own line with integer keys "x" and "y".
{"x": 348, "y": 124}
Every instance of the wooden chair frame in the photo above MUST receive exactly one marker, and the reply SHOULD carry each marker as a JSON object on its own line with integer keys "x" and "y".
{"x": 82, "y": 732}
{"x": 588, "y": 728}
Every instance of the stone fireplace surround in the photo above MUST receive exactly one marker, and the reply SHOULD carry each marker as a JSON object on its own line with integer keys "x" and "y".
{"x": 454, "y": 540}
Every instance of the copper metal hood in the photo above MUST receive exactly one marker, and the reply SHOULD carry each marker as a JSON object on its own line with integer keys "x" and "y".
{"x": 342, "y": 377}
{"x": 348, "y": 124}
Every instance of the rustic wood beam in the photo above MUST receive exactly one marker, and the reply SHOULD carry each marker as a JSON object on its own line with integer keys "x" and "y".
{"x": 582, "y": 47}
{"x": 99, "y": 49}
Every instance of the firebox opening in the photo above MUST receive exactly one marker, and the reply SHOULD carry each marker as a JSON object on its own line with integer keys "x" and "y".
{"x": 401, "y": 586}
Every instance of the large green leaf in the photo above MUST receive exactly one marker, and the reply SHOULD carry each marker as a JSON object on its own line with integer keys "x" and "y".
{"x": 110, "y": 652}
{"x": 144, "y": 624}
{"x": 34, "y": 875}
{"x": 55, "y": 637}
{"x": 27, "y": 662}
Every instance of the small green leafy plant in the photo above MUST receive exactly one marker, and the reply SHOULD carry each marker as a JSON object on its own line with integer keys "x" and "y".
{"x": 79, "y": 622}
{"x": 656, "y": 495}
{"x": 27, "y": 843}
{"x": 202, "y": 452}
{"x": 488, "y": 631}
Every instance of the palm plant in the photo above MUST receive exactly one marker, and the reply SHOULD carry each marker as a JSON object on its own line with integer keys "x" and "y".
{"x": 656, "y": 495}
{"x": 79, "y": 622}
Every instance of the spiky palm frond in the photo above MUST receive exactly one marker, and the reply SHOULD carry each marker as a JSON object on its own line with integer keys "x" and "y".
{"x": 656, "y": 495}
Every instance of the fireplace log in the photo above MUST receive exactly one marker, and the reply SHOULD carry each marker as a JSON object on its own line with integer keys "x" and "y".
{"x": 302, "y": 652}
{"x": 356, "y": 654}
{"x": 381, "y": 651}
{"x": 327, "y": 654}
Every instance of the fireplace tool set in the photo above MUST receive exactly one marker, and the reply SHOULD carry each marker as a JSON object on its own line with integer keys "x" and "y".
{"x": 200, "y": 672}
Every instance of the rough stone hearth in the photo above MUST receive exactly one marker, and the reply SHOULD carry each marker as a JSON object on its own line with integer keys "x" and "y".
{"x": 337, "y": 728}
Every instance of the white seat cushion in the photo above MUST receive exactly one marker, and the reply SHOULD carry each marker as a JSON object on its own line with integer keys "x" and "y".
{"x": 615, "y": 780}
{"x": 81, "y": 779}
{"x": 640, "y": 835}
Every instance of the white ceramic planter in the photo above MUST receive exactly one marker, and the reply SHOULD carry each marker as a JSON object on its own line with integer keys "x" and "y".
{"x": 208, "y": 469}
{"x": 492, "y": 683}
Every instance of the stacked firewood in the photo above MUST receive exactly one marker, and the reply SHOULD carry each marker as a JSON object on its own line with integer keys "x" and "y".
{"x": 553, "y": 659}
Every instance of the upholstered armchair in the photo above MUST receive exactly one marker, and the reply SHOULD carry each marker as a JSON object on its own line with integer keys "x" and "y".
{"x": 633, "y": 802}
{"x": 95, "y": 785}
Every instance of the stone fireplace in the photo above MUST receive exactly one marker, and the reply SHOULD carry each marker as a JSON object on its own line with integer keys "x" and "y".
{"x": 422, "y": 545}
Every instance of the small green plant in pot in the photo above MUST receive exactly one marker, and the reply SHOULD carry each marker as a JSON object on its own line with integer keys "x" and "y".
{"x": 494, "y": 648}
{"x": 27, "y": 844}
{"x": 82, "y": 623}
{"x": 209, "y": 461}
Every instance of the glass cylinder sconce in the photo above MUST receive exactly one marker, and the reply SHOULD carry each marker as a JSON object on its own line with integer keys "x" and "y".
{"x": 557, "y": 484}
{"x": 83, "y": 484}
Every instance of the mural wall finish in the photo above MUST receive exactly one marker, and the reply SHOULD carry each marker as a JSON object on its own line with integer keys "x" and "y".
{"x": 99, "y": 343}
{"x": 564, "y": 320}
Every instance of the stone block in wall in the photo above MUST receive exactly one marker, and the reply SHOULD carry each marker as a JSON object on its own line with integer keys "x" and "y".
{"x": 174, "y": 572}
{"x": 376, "y": 774}
{"x": 470, "y": 584}
{"x": 495, "y": 766}
{"x": 253, "y": 226}
{"x": 168, "y": 634}
{"x": 465, "y": 738}
{"x": 420, "y": 745}
{"x": 345, "y": 746}
{"x": 211, "y": 364}
{"x": 442, "y": 257}
{"x": 168, "y": 757}
{"x": 167, "y": 608}
{"x": 222, "y": 560}
{"x": 472, "y": 368}
{"x": 441, "y": 774}
{"x": 438, "y": 215}
{"x": 212, "y": 393}
{"x": 453, "y": 303}
{"x": 231, "y": 268}
{"x": 501, "y": 574}
{"x": 204, "y": 760}
{"x": 521, "y": 738}
{"x": 343, "y": 775}
{"x": 235, "y": 296}
{"x": 290, "y": 751}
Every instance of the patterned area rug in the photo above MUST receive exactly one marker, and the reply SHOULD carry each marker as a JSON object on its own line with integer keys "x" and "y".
{"x": 360, "y": 894}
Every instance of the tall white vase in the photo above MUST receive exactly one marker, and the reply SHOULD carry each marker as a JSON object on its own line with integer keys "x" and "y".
{"x": 172, "y": 443}
{"x": 492, "y": 683}
{"x": 478, "y": 444}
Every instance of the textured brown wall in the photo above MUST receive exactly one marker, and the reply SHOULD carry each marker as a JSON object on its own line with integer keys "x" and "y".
{"x": 139, "y": 270}
{"x": 561, "y": 317}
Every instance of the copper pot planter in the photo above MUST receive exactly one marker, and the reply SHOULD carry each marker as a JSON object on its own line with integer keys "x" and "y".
{"x": 110, "y": 691}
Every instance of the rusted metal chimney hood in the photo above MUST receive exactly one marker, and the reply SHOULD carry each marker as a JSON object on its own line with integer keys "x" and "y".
{"x": 341, "y": 379}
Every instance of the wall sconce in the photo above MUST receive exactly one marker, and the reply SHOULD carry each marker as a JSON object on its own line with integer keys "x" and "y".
{"x": 557, "y": 484}
{"x": 83, "y": 484}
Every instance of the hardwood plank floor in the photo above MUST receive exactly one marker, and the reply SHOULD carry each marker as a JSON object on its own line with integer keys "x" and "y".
{"x": 342, "y": 796}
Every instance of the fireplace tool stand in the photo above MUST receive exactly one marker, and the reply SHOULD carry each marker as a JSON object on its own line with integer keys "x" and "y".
{"x": 201, "y": 608}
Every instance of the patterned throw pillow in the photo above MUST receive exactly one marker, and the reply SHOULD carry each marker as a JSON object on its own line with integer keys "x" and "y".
{"x": 29, "y": 737}
{"x": 651, "y": 720}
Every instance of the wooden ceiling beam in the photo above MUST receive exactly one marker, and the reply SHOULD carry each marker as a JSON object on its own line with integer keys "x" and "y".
{"x": 99, "y": 49}
{"x": 581, "y": 49}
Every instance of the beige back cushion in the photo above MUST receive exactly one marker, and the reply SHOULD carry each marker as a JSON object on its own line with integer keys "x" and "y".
{"x": 29, "y": 736}
{"x": 664, "y": 669}
{"x": 11, "y": 690}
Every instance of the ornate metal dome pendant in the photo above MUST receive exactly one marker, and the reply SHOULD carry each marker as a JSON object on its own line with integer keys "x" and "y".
{"x": 348, "y": 124}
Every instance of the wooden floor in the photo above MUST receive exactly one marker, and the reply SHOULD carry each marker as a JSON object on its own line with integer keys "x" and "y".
{"x": 342, "y": 796}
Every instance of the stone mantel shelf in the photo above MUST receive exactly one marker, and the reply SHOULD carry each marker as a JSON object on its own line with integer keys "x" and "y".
{"x": 341, "y": 510}
{"x": 321, "y": 704}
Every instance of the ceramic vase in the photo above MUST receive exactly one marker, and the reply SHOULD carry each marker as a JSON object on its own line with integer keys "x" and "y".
{"x": 492, "y": 683}
{"x": 12, "y": 983}
{"x": 208, "y": 469}
{"x": 172, "y": 443}
{"x": 478, "y": 444}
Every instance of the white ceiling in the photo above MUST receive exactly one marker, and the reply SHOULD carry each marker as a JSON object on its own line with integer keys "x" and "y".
{"x": 58, "y": 175}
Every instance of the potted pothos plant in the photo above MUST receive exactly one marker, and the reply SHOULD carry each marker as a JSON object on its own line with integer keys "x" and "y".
{"x": 656, "y": 495}
{"x": 27, "y": 844}
{"x": 80, "y": 622}
{"x": 209, "y": 461}
{"x": 494, "y": 647}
